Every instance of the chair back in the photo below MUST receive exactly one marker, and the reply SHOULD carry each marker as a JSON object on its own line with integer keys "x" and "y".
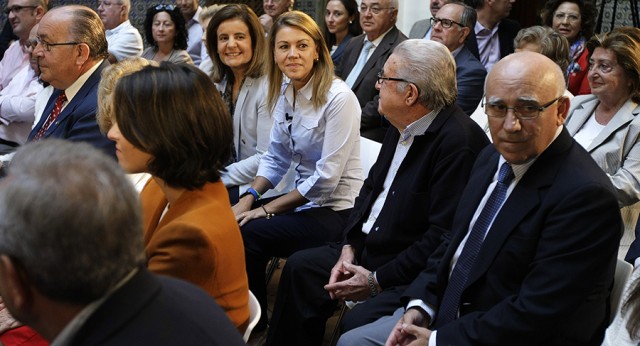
{"x": 254, "y": 315}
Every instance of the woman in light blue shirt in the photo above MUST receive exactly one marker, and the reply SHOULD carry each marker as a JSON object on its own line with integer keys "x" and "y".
{"x": 316, "y": 133}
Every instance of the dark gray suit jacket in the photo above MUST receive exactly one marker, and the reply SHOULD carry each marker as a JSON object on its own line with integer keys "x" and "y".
{"x": 372, "y": 124}
{"x": 420, "y": 28}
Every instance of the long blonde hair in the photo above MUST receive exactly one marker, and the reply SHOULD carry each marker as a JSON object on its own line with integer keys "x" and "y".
{"x": 322, "y": 69}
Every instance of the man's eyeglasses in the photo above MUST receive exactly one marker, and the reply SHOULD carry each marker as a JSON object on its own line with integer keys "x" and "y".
{"x": 523, "y": 112}
{"x": 16, "y": 8}
{"x": 374, "y": 9}
{"x": 46, "y": 45}
{"x": 164, "y": 8}
{"x": 446, "y": 23}
{"x": 381, "y": 80}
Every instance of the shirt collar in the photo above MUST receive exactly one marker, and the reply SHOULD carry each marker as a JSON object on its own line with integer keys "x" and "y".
{"x": 73, "y": 89}
{"x": 420, "y": 126}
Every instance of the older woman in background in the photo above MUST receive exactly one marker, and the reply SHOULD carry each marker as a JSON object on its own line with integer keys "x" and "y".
{"x": 170, "y": 122}
{"x": 238, "y": 50}
{"x": 316, "y": 129}
{"x": 165, "y": 31}
{"x": 342, "y": 22}
{"x": 575, "y": 20}
{"x": 607, "y": 123}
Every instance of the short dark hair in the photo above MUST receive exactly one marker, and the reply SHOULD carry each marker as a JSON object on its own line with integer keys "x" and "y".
{"x": 588, "y": 14}
{"x": 70, "y": 219}
{"x": 354, "y": 26}
{"x": 259, "y": 59}
{"x": 624, "y": 42}
{"x": 174, "y": 113}
{"x": 182, "y": 35}
{"x": 477, "y": 4}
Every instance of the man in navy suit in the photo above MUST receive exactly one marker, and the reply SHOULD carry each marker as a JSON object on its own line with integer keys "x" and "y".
{"x": 492, "y": 37}
{"x": 538, "y": 261}
{"x": 71, "y": 53}
{"x": 452, "y": 27}
{"x": 404, "y": 207}
{"x": 72, "y": 257}
{"x": 378, "y": 21}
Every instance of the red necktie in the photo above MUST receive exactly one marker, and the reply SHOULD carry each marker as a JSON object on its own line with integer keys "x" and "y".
{"x": 57, "y": 107}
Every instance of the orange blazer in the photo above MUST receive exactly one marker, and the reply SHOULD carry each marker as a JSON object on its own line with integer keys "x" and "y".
{"x": 198, "y": 240}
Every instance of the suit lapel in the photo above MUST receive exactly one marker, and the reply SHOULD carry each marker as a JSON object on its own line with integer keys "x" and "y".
{"x": 384, "y": 46}
{"x": 238, "y": 111}
{"x": 524, "y": 198}
{"x": 625, "y": 115}
{"x": 349, "y": 61}
{"x": 580, "y": 115}
{"x": 89, "y": 85}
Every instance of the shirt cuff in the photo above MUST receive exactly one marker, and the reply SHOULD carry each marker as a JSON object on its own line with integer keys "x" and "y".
{"x": 432, "y": 338}
{"x": 420, "y": 304}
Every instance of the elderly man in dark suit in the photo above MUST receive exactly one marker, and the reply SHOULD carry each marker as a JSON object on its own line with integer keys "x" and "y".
{"x": 452, "y": 27}
{"x": 72, "y": 257}
{"x": 364, "y": 57}
{"x": 71, "y": 53}
{"x": 403, "y": 209}
{"x": 532, "y": 254}
{"x": 492, "y": 37}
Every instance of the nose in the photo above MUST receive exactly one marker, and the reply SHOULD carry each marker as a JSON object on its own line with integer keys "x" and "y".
{"x": 378, "y": 85}
{"x": 511, "y": 122}
{"x": 292, "y": 53}
{"x": 37, "y": 50}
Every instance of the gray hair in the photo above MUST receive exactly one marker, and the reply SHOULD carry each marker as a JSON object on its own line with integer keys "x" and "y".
{"x": 87, "y": 27}
{"x": 71, "y": 220}
{"x": 430, "y": 66}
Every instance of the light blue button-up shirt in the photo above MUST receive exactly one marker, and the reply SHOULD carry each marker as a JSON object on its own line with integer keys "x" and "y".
{"x": 322, "y": 145}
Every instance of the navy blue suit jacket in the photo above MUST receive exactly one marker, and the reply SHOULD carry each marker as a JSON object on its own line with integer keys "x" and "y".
{"x": 77, "y": 121}
{"x": 158, "y": 310}
{"x": 545, "y": 269}
{"x": 470, "y": 75}
{"x": 421, "y": 202}
{"x": 372, "y": 124}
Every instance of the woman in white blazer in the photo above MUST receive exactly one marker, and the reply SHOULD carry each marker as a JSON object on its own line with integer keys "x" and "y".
{"x": 607, "y": 123}
{"x": 238, "y": 51}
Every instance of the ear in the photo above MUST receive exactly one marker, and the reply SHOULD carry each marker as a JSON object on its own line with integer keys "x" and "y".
{"x": 465, "y": 33}
{"x": 14, "y": 286}
{"x": 39, "y": 13}
{"x": 563, "y": 110}
{"x": 411, "y": 94}
{"x": 82, "y": 54}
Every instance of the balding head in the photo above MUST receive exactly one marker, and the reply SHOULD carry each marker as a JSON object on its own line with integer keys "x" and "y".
{"x": 529, "y": 81}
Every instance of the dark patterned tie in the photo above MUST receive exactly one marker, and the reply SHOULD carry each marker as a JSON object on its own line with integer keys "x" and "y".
{"x": 57, "y": 107}
{"x": 448, "y": 310}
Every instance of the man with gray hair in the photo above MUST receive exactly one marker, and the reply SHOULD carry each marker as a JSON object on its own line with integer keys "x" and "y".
{"x": 72, "y": 257}
{"x": 365, "y": 55}
{"x": 123, "y": 38}
{"x": 403, "y": 209}
{"x": 452, "y": 27}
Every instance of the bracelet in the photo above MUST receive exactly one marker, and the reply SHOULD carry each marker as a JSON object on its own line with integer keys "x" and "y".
{"x": 373, "y": 288}
{"x": 267, "y": 214}
{"x": 256, "y": 194}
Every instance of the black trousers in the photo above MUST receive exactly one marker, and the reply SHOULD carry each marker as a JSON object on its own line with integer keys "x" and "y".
{"x": 281, "y": 236}
{"x": 303, "y": 306}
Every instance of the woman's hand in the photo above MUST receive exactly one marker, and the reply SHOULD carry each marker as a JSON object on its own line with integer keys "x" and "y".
{"x": 249, "y": 215}
{"x": 243, "y": 205}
